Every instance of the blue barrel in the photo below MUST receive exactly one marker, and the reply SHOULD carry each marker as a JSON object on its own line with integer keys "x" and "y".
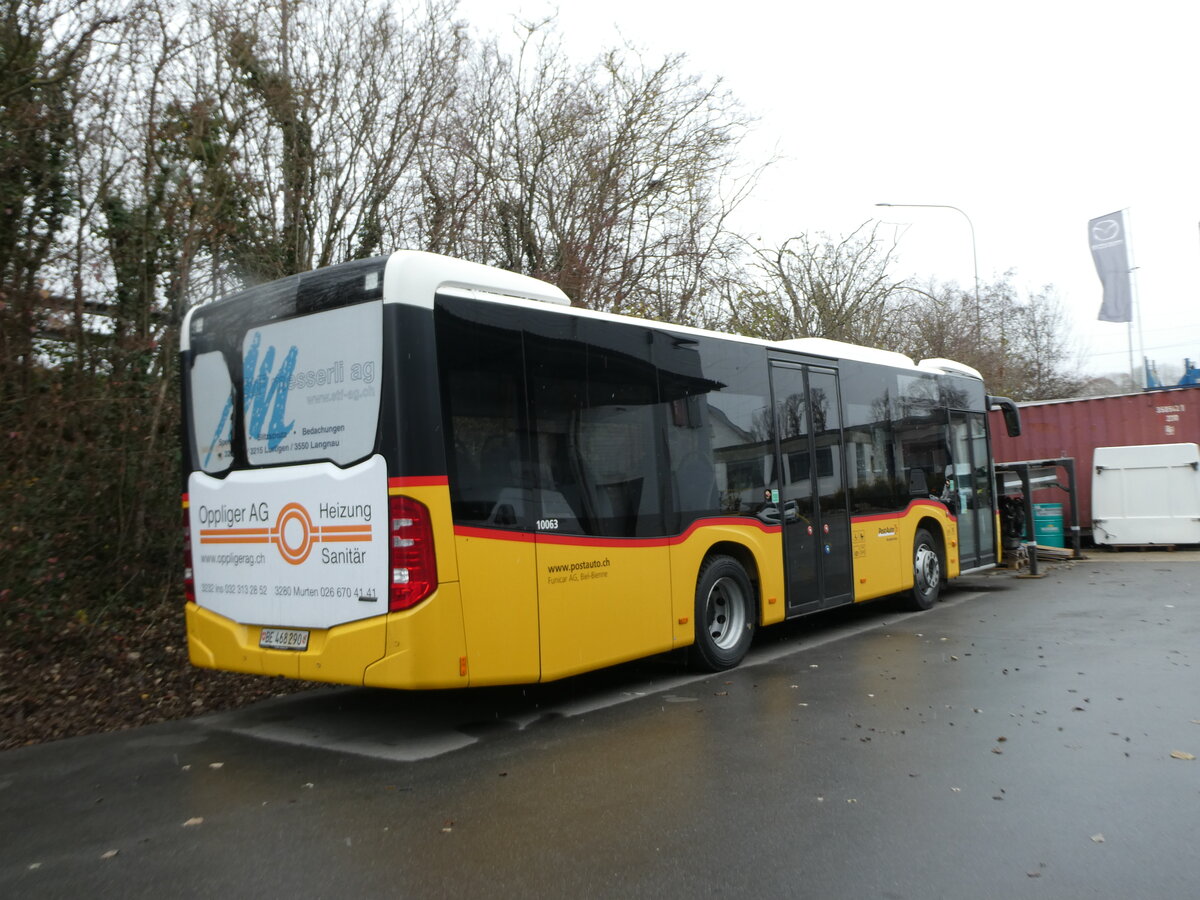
{"x": 1048, "y": 524}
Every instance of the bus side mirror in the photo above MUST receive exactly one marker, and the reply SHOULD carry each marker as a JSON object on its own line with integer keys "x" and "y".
{"x": 1012, "y": 415}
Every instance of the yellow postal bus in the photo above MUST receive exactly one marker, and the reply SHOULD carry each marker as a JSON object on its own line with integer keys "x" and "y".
{"x": 418, "y": 472}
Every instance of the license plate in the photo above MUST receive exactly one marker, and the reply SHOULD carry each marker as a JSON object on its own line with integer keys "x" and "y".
{"x": 283, "y": 639}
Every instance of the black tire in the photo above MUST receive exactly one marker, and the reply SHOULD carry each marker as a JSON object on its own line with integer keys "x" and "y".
{"x": 927, "y": 571}
{"x": 726, "y": 615}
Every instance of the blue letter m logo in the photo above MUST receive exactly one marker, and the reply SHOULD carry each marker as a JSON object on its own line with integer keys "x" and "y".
{"x": 262, "y": 393}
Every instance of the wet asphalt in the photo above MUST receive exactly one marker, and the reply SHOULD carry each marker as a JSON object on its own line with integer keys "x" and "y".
{"x": 1016, "y": 741}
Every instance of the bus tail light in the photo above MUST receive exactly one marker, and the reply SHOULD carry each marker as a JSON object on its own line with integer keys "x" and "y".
{"x": 413, "y": 564}
{"x": 189, "y": 578}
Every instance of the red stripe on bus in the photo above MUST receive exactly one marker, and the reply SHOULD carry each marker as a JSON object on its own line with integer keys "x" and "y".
{"x": 881, "y": 517}
{"x": 496, "y": 534}
{"x": 583, "y": 540}
{"x": 741, "y": 521}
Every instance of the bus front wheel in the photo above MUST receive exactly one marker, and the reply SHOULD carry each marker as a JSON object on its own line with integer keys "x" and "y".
{"x": 927, "y": 571}
{"x": 725, "y": 615}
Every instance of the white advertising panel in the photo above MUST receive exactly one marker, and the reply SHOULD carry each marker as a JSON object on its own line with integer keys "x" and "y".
{"x": 301, "y": 546}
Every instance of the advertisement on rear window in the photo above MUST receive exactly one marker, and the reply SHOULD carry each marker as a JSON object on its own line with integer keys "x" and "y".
{"x": 303, "y": 546}
{"x": 310, "y": 390}
{"x": 311, "y": 386}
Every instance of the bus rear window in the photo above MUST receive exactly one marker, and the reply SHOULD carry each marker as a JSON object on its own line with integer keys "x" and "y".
{"x": 212, "y": 411}
{"x": 310, "y": 391}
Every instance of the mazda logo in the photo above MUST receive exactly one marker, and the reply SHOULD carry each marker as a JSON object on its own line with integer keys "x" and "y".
{"x": 1106, "y": 230}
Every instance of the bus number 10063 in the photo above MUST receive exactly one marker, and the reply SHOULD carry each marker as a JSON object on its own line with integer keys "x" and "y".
{"x": 547, "y": 524}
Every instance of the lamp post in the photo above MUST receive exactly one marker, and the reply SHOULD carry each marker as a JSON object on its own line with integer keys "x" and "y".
{"x": 974, "y": 254}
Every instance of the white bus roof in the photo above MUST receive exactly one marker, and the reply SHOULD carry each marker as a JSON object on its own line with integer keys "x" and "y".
{"x": 414, "y": 277}
{"x": 842, "y": 350}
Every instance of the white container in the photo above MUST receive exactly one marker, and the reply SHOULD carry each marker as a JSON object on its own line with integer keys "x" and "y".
{"x": 1146, "y": 495}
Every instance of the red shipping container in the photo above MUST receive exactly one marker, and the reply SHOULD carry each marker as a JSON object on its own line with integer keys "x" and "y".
{"x": 1051, "y": 429}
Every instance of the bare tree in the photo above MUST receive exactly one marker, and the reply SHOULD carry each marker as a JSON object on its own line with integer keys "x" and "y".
{"x": 44, "y": 45}
{"x": 611, "y": 180}
{"x": 331, "y": 106}
{"x": 838, "y": 288}
{"x": 1022, "y": 346}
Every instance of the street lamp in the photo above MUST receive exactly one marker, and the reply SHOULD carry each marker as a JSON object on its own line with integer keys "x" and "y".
{"x": 974, "y": 254}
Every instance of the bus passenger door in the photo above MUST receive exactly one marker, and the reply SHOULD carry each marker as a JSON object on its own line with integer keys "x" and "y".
{"x": 972, "y": 490}
{"x": 812, "y": 496}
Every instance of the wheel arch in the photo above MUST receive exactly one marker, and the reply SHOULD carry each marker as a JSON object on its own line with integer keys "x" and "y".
{"x": 938, "y": 533}
{"x": 745, "y": 556}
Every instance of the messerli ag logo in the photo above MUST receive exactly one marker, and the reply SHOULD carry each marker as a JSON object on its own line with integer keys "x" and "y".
{"x": 1106, "y": 230}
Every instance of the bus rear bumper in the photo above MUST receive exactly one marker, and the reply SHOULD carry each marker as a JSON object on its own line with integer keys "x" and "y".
{"x": 418, "y": 648}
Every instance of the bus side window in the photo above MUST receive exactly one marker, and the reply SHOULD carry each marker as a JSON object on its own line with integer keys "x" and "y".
{"x": 482, "y": 383}
{"x": 497, "y": 458}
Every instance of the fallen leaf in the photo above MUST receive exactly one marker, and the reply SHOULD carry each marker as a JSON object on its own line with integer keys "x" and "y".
{"x": 1097, "y": 839}
{"x": 721, "y": 693}
{"x": 33, "y": 866}
{"x": 194, "y": 820}
{"x": 1179, "y": 754}
{"x": 216, "y": 765}
{"x": 109, "y": 854}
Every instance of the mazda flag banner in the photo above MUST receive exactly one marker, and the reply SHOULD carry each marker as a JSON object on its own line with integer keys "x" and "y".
{"x": 1110, "y": 250}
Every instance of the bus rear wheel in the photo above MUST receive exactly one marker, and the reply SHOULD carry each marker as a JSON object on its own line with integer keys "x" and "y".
{"x": 927, "y": 571}
{"x": 726, "y": 615}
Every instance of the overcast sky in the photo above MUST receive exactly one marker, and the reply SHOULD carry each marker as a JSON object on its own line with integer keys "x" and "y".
{"x": 1031, "y": 116}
